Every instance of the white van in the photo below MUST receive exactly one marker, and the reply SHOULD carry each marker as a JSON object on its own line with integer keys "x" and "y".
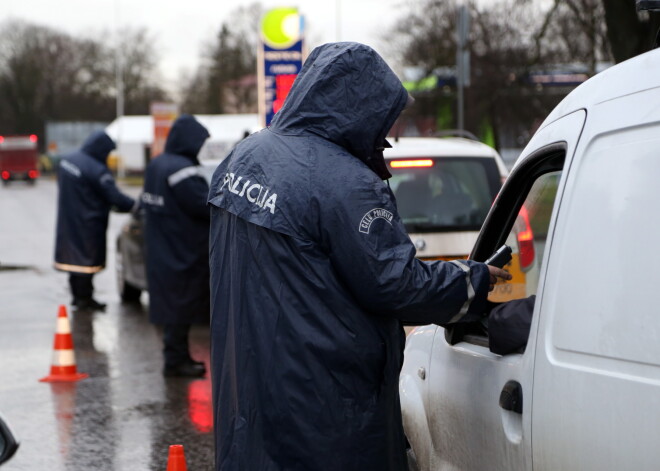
{"x": 585, "y": 393}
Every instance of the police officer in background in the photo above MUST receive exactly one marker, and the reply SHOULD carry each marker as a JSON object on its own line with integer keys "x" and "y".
{"x": 312, "y": 272}
{"x": 87, "y": 192}
{"x": 176, "y": 243}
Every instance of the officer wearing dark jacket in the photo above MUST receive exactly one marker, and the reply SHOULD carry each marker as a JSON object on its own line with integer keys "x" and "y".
{"x": 312, "y": 272}
{"x": 176, "y": 243}
{"x": 87, "y": 192}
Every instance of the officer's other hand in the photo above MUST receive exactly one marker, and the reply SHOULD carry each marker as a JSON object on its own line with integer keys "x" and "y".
{"x": 496, "y": 273}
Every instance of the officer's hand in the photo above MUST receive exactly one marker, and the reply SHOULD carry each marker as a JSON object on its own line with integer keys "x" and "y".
{"x": 496, "y": 273}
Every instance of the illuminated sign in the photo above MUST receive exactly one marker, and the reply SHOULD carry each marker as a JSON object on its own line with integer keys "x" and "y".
{"x": 281, "y": 54}
{"x": 163, "y": 115}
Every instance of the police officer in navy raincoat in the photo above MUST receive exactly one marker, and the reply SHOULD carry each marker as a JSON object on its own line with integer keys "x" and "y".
{"x": 87, "y": 192}
{"x": 176, "y": 243}
{"x": 312, "y": 272}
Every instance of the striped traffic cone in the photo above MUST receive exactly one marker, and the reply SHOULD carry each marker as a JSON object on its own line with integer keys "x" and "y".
{"x": 63, "y": 367}
{"x": 176, "y": 460}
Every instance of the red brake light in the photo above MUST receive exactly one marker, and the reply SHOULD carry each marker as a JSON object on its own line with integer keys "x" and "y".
{"x": 33, "y": 138}
{"x": 33, "y": 174}
{"x": 5, "y": 175}
{"x": 2, "y": 139}
{"x": 411, "y": 163}
{"x": 525, "y": 240}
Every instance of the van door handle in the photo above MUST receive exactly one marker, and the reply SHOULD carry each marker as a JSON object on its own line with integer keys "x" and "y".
{"x": 511, "y": 397}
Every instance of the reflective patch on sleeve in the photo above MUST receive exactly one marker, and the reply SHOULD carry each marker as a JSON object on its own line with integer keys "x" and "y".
{"x": 371, "y": 215}
{"x": 154, "y": 200}
{"x": 470, "y": 290}
{"x": 179, "y": 176}
{"x": 106, "y": 177}
{"x": 70, "y": 168}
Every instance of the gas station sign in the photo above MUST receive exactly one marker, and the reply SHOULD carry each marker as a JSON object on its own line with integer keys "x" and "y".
{"x": 163, "y": 115}
{"x": 281, "y": 53}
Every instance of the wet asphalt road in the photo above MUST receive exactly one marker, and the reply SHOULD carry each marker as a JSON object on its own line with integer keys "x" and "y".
{"x": 126, "y": 414}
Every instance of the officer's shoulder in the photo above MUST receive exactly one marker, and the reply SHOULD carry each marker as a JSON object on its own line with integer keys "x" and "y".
{"x": 173, "y": 162}
{"x": 338, "y": 167}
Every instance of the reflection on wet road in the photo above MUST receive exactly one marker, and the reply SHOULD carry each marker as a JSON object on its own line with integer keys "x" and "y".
{"x": 126, "y": 414}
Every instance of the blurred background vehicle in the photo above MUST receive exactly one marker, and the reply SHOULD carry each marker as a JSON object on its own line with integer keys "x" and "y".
{"x": 444, "y": 188}
{"x": 19, "y": 158}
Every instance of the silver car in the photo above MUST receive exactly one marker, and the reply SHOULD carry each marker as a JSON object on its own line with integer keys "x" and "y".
{"x": 129, "y": 262}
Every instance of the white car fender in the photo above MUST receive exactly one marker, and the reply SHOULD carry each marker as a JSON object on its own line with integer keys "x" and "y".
{"x": 413, "y": 392}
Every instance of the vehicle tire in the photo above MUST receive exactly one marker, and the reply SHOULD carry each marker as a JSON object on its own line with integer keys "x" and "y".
{"x": 127, "y": 292}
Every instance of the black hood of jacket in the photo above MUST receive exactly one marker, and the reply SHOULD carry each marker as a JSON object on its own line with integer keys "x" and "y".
{"x": 345, "y": 93}
{"x": 98, "y": 145}
{"x": 186, "y": 137}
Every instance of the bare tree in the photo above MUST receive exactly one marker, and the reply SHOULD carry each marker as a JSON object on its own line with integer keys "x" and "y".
{"x": 49, "y": 75}
{"x": 141, "y": 77}
{"x": 511, "y": 43}
{"x": 226, "y": 79}
{"x": 629, "y": 33}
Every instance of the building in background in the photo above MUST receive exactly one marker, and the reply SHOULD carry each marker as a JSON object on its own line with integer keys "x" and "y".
{"x": 134, "y": 137}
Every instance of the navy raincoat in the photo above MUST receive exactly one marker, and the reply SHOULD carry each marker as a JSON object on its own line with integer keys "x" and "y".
{"x": 312, "y": 272}
{"x": 87, "y": 192}
{"x": 177, "y": 228}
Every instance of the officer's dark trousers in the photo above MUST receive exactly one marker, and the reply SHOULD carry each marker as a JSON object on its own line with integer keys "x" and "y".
{"x": 82, "y": 286}
{"x": 175, "y": 341}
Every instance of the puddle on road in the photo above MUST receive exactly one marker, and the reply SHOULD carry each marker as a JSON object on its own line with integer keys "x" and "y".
{"x": 15, "y": 267}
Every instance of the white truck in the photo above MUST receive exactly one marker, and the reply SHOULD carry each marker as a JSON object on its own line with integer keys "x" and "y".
{"x": 585, "y": 392}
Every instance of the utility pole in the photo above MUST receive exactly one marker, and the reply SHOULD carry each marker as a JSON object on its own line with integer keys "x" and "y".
{"x": 119, "y": 64}
{"x": 119, "y": 84}
{"x": 462, "y": 60}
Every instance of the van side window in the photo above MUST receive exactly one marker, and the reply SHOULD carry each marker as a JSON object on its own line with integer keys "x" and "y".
{"x": 527, "y": 239}
{"x": 519, "y": 218}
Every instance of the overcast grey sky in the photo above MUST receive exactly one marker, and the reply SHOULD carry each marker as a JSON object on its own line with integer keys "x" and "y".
{"x": 180, "y": 28}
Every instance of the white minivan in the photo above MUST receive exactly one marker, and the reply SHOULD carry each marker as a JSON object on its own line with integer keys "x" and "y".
{"x": 585, "y": 392}
{"x": 444, "y": 188}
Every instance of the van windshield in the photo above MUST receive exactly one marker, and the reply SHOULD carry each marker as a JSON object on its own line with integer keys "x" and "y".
{"x": 445, "y": 194}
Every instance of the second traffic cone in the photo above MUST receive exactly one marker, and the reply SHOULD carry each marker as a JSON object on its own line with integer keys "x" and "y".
{"x": 176, "y": 461}
{"x": 63, "y": 367}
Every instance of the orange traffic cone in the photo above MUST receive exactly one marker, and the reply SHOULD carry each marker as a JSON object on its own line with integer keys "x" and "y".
{"x": 176, "y": 461}
{"x": 63, "y": 367}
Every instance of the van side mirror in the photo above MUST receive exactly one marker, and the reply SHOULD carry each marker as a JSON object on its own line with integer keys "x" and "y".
{"x": 8, "y": 443}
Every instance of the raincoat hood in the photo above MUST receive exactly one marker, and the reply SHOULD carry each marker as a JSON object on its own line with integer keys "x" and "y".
{"x": 98, "y": 145}
{"x": 186, "y": 137}
{"x": 347, "y": 94}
